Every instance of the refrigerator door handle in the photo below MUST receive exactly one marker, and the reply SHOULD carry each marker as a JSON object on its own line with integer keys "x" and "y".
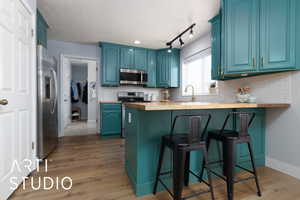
{"x": 56, "y": 91}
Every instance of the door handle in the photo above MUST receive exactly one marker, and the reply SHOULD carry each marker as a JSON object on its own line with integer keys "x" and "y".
{"x": 3, "y": 102}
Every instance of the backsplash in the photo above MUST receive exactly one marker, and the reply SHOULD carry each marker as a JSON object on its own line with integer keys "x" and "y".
{"x": 272, "y": 88}
{"x": 110, "y": 93}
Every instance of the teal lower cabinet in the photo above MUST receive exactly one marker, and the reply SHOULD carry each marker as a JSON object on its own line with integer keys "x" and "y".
{"x": 111, "y": 120}
{"x": 144, "y": 130}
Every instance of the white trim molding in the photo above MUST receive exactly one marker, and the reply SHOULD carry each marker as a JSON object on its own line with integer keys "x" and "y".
{"x": 283, "y": 167}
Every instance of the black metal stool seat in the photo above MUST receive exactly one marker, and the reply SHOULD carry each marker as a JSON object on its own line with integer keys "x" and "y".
{"x": 181, "y": 145}
{"x": 181, "y": 140}
{"x": 229, "y": 139}
{"x": 226, "y": 134}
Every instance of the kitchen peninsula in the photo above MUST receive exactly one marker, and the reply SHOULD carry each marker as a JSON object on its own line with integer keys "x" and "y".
{"x": 146, "y": 123}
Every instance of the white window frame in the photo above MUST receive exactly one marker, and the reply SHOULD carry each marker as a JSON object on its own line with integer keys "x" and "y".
{"x": 190, "y": 59}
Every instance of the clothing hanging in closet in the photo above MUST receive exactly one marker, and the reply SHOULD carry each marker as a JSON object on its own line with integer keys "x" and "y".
{"x": 85, "y": 93}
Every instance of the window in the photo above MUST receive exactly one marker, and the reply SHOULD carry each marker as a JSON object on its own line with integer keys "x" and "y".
{"x": 196, "y": 71}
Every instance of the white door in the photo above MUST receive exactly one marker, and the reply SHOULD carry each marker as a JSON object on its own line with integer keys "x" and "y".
{"x": 92, "y": 92}
{"x": 66, "y": 92}
{"x": 16, "y": 86}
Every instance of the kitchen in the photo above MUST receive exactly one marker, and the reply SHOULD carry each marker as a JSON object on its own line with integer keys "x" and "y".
{"x": 217, "y": 85}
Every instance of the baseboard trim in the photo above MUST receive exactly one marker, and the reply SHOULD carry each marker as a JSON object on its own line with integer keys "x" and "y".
{"x": 283, "y": 167}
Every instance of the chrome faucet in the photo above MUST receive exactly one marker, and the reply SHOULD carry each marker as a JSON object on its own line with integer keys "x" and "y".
{"x": 193, "y": 91}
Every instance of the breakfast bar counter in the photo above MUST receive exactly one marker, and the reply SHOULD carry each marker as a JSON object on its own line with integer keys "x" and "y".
{"x": 146, "y": 123}
{"x": 201, "y": 105}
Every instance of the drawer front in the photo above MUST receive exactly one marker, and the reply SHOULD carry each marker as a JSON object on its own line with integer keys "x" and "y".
{"x": 110, "y": 106}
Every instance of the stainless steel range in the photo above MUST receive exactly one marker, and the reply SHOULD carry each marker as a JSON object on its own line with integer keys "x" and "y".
{"x": 128, "y": 97}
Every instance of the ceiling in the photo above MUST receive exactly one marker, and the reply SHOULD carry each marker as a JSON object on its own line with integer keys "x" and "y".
{"x": 153, "y": 22}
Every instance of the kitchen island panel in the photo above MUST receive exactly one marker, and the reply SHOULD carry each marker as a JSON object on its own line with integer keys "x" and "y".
{"x": 144, "y": 130}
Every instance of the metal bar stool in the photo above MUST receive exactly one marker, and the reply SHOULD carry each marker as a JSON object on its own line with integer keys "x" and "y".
{"x": 181, "y": 145}
{"x": 229, "y": 139}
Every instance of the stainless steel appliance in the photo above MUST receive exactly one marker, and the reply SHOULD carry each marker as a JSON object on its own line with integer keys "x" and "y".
{"x": 128, "y": 97}
{"x": 47, "y": 93}
{"x": 133, "y": 77}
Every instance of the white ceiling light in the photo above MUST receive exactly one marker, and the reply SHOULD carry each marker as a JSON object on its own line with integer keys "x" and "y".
{"x": 137, "y": 42}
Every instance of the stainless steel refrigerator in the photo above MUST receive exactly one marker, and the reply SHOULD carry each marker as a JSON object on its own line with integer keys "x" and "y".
{"x": 47, "y": 93}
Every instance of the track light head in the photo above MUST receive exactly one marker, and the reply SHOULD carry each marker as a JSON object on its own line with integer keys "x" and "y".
{"x": 181, "y": 42}
{"x": 191, "y": 35}
{"x": 170, "y": 49}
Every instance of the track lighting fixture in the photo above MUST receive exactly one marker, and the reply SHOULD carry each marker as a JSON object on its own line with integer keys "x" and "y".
{"x": 191, "y": 35}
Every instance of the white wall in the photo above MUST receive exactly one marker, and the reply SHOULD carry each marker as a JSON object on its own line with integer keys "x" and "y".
{"x": 282, "y": 129}
{"x": 31, "y": 3}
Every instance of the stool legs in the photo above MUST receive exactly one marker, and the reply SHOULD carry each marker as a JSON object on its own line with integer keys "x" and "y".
{"x": 203, "y": 163}
{"x": 254, "y": 169}
{"x": 179, "y": 159}
{"x": 187, "y": 169}
{"x": 229, "y": 158}
{"x": 205, "y": 153}
{"x": 161, "y": 157}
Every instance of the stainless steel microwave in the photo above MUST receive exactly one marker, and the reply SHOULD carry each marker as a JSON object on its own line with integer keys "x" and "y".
{"x": 133, "y": 77}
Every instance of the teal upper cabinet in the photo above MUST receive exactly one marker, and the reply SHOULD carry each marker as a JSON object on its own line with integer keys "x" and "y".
{"x": 216, "y": 71}
{"x": 110, "y": 60}
{"x": 168, "y": 68}
{"x": 278, "y": 34}
{"x": 41, "y": 29}
{"x": 151, "y": 60}
{"x": 257, "y": 37}
{"x": 133, "y": 58}
{"x": 140, "y": 59}
{"x": 241, "y": 31}
{"x": 163, "y": 68}
{"x": 127, "y": 57}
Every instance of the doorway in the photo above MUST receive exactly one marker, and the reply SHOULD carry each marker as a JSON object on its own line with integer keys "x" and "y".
{"x": 79, "y": 96}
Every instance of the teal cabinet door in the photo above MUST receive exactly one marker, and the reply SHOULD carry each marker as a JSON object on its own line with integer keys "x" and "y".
{"x": 151, "y": 60}
{"x": 41, "y": 29}
{"x": 174, "y": 68}
{"x": 216, "y": 48}
{"x": 110, "y": 65}
{"x": 140, "y": 59}
{"x": 111, "y": 119}
{"x": 278, "y": 34}
{"x": 241, "y": 35}
{"x": 127, "y": 57}
{"x": 168, "y": 69}
{"x": 163, "y": 67}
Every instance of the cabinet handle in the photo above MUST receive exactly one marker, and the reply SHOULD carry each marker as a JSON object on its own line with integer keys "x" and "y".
{"x": 262, "y": 61}
{"x": 253, "y": 62}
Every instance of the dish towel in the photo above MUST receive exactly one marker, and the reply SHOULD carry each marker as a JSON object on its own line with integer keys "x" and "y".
{"x": 92, "y": 92}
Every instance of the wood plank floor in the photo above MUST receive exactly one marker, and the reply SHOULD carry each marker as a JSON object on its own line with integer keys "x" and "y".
{"x": 96, "y": 167}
